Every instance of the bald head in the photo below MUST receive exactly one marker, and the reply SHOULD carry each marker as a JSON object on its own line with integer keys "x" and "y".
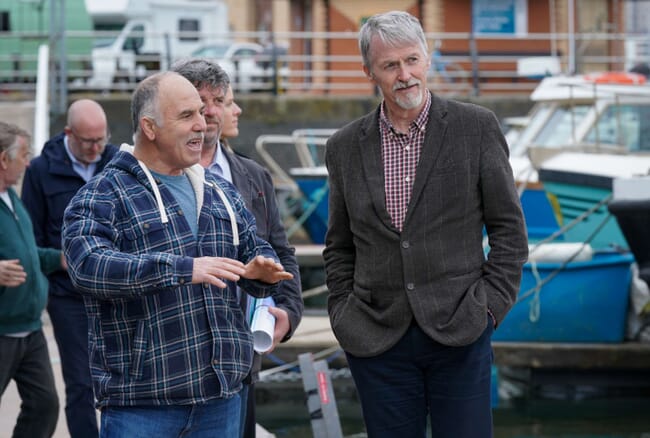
{"x": 86, "y": 112}
{"x": 87, "y": 130}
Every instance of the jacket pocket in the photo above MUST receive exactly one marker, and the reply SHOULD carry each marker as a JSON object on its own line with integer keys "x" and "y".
{"x": 139, "y": 352}
{"x": 364, "y": 295}
{"x": 151, "y": 235}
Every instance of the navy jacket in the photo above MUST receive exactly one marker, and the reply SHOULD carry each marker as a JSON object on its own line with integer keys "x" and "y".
{"x": 49, "y": 184}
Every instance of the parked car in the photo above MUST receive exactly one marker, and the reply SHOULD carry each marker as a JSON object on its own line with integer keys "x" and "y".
{"x": 250, "y": 66}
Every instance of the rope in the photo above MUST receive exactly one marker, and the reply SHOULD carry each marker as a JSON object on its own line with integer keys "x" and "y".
{"x": 312, "y": 204}
{"x": 564, "y": 264}
{"x": 574, "y": 222}
{"x": 314, "y": 291}
{"x": 265, "y": 374}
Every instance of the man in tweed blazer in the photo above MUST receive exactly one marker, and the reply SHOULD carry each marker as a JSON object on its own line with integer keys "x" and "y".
{"x": 413, "y": 297}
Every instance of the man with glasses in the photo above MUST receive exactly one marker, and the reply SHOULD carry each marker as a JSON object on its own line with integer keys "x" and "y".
{"x": 66, "y": 163}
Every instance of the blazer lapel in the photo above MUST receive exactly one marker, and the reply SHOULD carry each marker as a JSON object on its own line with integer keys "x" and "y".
{"x": 433, "y": 143}
{"x": 240, "y": 179}
{"x": 373, "y": 167}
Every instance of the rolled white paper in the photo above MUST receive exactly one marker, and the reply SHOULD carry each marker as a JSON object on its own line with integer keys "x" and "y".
{"x": 262, "y": 324}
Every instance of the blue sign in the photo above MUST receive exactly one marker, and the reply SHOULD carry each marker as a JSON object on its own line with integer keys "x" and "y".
{"x": 494, "y": 16}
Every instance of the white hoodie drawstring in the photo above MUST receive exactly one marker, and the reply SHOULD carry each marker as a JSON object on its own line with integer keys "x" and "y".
{"x": 156, "y": 193}
{"x": 231, "y": 212}
{"x": 196, "y": 175}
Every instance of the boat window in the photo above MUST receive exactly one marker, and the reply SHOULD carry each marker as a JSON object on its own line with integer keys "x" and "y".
{"x": 561, "y": 126}
{"x": 623, "y": 125}
{"x": 538, "y": 117}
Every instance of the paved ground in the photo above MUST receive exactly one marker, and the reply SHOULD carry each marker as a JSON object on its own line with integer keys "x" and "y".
{"x": 312, "y": 334}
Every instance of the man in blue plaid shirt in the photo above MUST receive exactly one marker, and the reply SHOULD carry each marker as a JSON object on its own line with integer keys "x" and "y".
{"x": 156, "y": 246}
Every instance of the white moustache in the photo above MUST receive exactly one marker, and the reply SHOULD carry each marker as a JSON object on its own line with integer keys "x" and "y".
{"x": 399, "y": 85}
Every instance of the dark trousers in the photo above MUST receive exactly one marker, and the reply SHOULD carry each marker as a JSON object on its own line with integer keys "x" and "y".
{"x": 70, "y": 323}
{"x": 27, "y": 361}
{"x": 419, "y": 378}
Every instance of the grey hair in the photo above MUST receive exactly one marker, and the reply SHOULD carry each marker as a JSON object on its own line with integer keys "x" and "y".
{"x": 202, "y": 73}
{"x": 394, "y": 28}
{"x": 144, "y": 102}
{"x": 9, "y": 135}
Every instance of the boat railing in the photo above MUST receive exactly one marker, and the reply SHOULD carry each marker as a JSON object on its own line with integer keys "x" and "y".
{"x": 280, "y": 175}
{"x": 310, "y": 143}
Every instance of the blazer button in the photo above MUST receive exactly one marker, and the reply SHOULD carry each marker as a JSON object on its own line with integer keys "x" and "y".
{"x": 410, "y": 286}
{"x": 406, "y": 244}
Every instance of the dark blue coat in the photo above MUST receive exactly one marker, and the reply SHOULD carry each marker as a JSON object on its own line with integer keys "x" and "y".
{"x": 49, "y": 184}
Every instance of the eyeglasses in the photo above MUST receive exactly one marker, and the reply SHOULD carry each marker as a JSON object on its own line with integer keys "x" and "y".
{"x": 90, "y": 142}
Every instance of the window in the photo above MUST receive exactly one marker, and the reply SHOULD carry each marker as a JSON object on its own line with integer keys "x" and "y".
{"x": 560, "y": 128}
{"x": 135, "y": 40}
{"x": 188, "y": 29}
{"x": 623, "y": 125}
{"x": 5, "y": 25}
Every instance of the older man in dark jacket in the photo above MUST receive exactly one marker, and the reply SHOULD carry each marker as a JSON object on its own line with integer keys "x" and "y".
{"x": 24, "y": 355}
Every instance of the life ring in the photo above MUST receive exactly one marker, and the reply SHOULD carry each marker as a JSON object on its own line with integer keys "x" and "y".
{"x": 617, "y": 77}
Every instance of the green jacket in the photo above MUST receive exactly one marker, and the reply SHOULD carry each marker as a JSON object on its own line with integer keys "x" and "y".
{"x": 21, "y": 307}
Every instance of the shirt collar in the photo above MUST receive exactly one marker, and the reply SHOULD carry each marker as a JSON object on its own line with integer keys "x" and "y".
{"x": 69, "y": 152}
{"x": 221, "y": 160}
{"x": 220, "y": 157}
{"x": 420, "y": 122}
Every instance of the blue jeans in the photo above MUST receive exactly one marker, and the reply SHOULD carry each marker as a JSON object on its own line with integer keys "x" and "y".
{"x": 217, "y": 418}
{"x": 70, "y": 324}
{"x": 27, "y": 361}
{"x": 419, "y": 377}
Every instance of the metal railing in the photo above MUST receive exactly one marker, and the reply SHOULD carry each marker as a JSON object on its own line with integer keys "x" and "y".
{"x": 329, "y": 63}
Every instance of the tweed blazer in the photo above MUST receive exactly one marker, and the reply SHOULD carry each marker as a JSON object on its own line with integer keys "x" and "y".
{"x": 435, "y": 270}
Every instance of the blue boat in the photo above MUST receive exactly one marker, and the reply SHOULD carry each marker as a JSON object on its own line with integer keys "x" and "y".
{"x": 582, "y": 184}
{"x": 577, "y": 301}
{"x": 595, "y": 113}
{"x": 574, "y": 292}
{"x": 312, "y": 182}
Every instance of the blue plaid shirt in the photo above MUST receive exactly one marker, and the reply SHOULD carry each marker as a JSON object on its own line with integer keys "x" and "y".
{"x": 155, "y": 338}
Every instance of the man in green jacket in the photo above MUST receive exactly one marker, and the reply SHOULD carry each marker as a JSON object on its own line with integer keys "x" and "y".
{"x": 23, "y": 296}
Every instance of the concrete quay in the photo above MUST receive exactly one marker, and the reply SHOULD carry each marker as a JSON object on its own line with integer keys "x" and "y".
{"x": 314, "y": 334}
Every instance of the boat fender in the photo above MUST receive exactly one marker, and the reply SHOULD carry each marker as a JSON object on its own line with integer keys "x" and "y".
{"x": 560, "y": 252}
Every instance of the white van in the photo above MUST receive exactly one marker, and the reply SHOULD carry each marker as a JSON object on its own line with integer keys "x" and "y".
{"x": 152, "y": 35}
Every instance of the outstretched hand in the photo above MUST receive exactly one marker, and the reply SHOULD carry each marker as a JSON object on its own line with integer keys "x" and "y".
{"x": 266, "y": 270}
{"x": 12, "y": 273}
